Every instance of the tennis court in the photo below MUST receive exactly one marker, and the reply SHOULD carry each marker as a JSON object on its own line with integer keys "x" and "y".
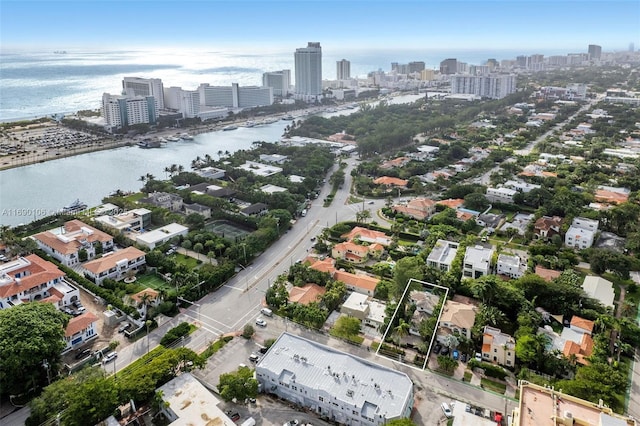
{"x": 152, "y": 280}
{"x": 227, "y": 230}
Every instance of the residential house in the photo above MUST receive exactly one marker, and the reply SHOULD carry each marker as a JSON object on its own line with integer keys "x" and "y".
{"x": 599, "y": 289}
{"x": 611, "y": 195}
{"x": 67, "y": 243}
{"x": 210, "y": 173}
{"x": 260, "y": 169}
{"x": 452, "y": 203}
{"x": 500, "y": 195}
{"x": 581, "y": 234}
{"x": 368, "y": 310}
{"x": 272, "y": 189}
{"x": 510, "y": 266}
{"x": 134, "y": 220}
{"x": 165, "y": 200}
{"x": 498, "y": 347}
{"x": 546, "y": 227}
{"x": 115, "y": 265}
{"x": 520, "y": 186}
{"x": 30, "y": 279}
{"x": 442, "y": 255}
{"x": 80, "y": 330}
{"x": 196, "y": 208}
{"x": 391, "y": 181}
{"x": 547, "y": 274}
{"x": 456, "y": 318}
{"x": 161, "y": 235}
{"x": 324, "y": 265}
{"x": 273, "y": 158}
{"x": 256, "y": 209}
{"x": 367, "y": 235}
{"x": 306, "y": 294}
{"x": 417, "y": 208}
{"x": 425, "y": 302}
{"x": 490, "y": 220}
{"x": 396, "y": 162}
{"x": 360, "y": 283}
{"x": 144, "y": 299}
{"x": 356, "y": 253}
{"x": 334, "y": 384}
{"x": 477, "y": 262}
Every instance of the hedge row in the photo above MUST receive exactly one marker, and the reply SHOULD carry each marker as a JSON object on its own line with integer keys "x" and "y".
{"x": 175, "y": 333}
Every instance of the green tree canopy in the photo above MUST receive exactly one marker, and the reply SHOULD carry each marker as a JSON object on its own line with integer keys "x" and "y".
{"x": 30, "y": 335}
{"x": 238, "y": 385}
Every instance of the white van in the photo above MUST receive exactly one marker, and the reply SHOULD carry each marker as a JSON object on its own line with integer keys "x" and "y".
{"x": 266, "y": 312}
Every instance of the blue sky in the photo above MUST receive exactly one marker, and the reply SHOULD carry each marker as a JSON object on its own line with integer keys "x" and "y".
{"x": 273, "y": 25}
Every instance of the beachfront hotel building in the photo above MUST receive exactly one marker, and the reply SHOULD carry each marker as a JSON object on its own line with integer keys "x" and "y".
{"x": 122, "y": 111}
{"x": 279, "y": 81}
{"x": 235, "y": 96}
{"x": 308, "y": 70}
{"x": 137, "y": 86}
{"x": 336, "y": 385}
{"x": 186, "y": 102}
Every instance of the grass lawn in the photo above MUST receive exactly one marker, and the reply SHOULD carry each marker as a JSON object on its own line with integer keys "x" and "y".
{"x": 493, "y": 386}
{"x": 189, "y": 262}
{"x": 135, "y": 197}
{"x": 467, "y": 376}
{"x": 153, "y": 281}
{"x": 215, "y": 347}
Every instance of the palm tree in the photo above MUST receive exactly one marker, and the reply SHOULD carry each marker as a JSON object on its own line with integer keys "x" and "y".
{"x": 401, "y": 330}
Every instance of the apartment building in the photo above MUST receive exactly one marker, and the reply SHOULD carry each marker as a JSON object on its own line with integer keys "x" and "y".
{"x": 123, "y": 111}
{"x": 308, "y": 70}
{"x": 335, "y": 385}
{"x": 494, "y": 86}
{"x": 581, "y": 234}
{"x": 235, "y": 96}
{"x": 137, "y": 86}
{"x": 186, "y": 102}
{"x": 279, "y": 81}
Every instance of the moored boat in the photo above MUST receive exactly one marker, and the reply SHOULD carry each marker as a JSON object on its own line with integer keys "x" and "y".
{"x": 76, "y": 206}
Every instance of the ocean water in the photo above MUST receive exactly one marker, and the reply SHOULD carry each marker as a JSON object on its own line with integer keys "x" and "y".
{"x": 36, "y": 84}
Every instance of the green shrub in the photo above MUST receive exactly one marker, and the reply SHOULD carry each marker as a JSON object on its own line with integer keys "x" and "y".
{"x": 175, "y": 333}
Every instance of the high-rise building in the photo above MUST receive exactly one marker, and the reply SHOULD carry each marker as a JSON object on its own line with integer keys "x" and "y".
{"x": 427, "y": 75}
{"x": 494, "y": 86}
{"x": 308, "y": 63}
{"x": 136, "y": 86}
{"x": 416, "y": 66}
{"x": 632, "y": 47}
{"x": 343, "y": 70}
{"x": 186, "y": 102}
{"x": 595, "y": 51}
{"x": 449, "y": 66}
{"x": 122, "y": 111}
{"x": 235, "y": 96}
{"x": 279, "y": 81}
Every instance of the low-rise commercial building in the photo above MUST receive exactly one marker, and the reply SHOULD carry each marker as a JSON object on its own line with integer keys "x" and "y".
{"x": 335, "y": 385}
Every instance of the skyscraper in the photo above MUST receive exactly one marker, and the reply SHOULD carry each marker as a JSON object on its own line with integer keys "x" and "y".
{"x": 308, "y": 63}
{"x": 449, "y": 66}
{"x": 343, "y": 70}
{"x": 136, "y": 86}
{"x": 595, "y": 51}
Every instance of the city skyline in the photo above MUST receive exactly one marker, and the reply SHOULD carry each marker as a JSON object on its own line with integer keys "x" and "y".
{"x": 280, "y": 25}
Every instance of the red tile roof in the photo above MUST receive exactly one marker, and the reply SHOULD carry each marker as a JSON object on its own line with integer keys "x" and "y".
{"x": 390, "y": 181}
{"x": 39, "y": 272}
{"x": 74, "y": 230}
{"x": 547, "y": 274}
{"x": 79, "y": 323}
{"x": 306, "y": 294}
{"x": 109, "y": 261}
{"x": 453, "y": 203}
{"x": 582, "y": 323}
{"x": 364, "y": 282}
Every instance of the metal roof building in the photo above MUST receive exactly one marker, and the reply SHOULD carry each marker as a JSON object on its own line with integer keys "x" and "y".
{"x": 336, "y": 385}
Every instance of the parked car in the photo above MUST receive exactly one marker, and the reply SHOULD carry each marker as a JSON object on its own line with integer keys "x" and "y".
{"x": 124, "y": 327}
{"x": 254, "y": 358}
{"x": 261, "y": 322}
{"x": 263, "y": 350}
{"x": 234, "y": 417}
{"x": 446, "y": 409}
{"x": 463, "y": 357}
{"x": 456, "y": 355}
{"x": 109, "y": 357}
{"x": 436, "y": 349}
{"x": 478, "y": 357}
{"x": 81, "y": 310}
{"x": 444, "y": 351}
